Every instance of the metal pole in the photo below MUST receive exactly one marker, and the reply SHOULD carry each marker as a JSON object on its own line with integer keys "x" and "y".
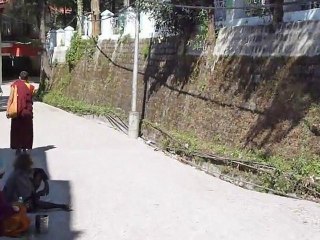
{"x": 135, "y": 67}
{"x": 134, "y": 118}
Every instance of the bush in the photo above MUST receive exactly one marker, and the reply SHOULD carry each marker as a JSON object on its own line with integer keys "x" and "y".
{"x": 79, "y": 49}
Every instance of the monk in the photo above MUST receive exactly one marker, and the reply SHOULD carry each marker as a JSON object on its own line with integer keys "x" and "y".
{"x": 21, "y": 135}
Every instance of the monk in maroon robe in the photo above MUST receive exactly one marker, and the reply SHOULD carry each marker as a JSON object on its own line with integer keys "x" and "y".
{"x": 22, "y": 126}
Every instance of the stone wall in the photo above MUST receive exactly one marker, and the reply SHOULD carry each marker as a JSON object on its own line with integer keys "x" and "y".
{"x": 231, "y": 97}
{"x": 290, "y": 39}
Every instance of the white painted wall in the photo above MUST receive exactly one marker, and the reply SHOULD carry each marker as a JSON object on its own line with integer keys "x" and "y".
{"x": 290, "y": 39}
{"x": 90, "y": 25}
{"x": 147, "y": 25}
{"x": 60, "y": 37}
{"x": 296, "y": 16}
{"x": 68, "y": 34}
{"x": 129, "y": 28}
{"x": 85, "y": 26}
{"x": 236, "y": 13}
{"x": 52, "y": 38}
{"x": 59, "y": 54}
{"x": 306, "y": 15}
{"x": 293, "y": 13}
{"x": 106, "y": 24}
{"x": 109, "y": 31}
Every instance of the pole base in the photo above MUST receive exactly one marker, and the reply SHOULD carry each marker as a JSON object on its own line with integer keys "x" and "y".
{"x": 134, "y": 122}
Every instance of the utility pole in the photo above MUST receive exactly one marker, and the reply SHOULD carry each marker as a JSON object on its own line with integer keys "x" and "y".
{"x": 134, "y": 116}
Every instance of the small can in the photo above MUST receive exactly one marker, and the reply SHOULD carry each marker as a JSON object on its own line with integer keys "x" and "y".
{"x": 42, "y": 223}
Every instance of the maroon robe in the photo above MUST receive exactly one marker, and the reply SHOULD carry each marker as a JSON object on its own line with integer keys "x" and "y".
{"x": 5, "y": 211}
{"x": 22, "y": 125}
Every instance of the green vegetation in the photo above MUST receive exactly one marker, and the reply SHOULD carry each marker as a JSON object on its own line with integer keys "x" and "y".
{"x": 145, "y": 51}
{"x": 298, "y": 175}
{"x": 59, "y": 100}
{"x": 313, "y": 117}
{"x": 56, "y": 97}
{"x": 199, "y": 40}
{"x": 125, "y": 39}
{"x": 79, "y": 49}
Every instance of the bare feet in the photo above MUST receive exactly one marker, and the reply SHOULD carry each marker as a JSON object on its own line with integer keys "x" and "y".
{"x": 67, "y": 208}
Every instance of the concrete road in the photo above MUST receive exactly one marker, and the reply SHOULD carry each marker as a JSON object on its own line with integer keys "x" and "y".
{"x": 123, "y": 189}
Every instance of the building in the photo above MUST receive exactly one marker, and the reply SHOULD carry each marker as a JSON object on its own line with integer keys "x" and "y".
{"x": 241, "y": 12}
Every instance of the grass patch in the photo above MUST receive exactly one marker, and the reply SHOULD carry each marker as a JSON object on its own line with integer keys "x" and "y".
{"x": 299, "y": 175}
{"x": 58, "y": 99}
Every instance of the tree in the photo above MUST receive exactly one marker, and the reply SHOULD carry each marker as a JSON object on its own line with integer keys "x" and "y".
{"x": 80, "y": 16}
{"x": 211, "y": 35}
{"x": 95, "y": 11}
{"x": 277, "y": 11}
{"x": 45, "y": 69}
{"x": 126, "y": 3}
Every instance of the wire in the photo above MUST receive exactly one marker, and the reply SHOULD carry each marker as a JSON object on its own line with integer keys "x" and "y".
{"x": 71, "y": 20}
{"x": 248, "y": 7}
{"x": 108, "y": 17}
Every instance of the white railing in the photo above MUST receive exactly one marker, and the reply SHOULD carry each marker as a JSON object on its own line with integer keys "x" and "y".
{"x": 292, "y": 13}
{"x": 114, "y": 27}
{"x": 58, "y": 42}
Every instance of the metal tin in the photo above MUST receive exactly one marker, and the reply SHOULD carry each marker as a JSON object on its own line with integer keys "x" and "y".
{"x": 42, "y": 223}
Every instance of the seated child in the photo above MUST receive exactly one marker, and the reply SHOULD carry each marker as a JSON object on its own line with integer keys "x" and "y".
{"x": 25, "y": 182}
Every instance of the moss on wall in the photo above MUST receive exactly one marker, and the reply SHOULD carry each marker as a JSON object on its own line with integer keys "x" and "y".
{"x": 262, "y": 104}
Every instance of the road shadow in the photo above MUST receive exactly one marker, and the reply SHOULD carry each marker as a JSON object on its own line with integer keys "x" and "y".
{"x": 60, "y": 192}
{"x": 270, "y": 75}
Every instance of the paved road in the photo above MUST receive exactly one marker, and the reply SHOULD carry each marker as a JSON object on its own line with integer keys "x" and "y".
{"x": 123, "y": 189}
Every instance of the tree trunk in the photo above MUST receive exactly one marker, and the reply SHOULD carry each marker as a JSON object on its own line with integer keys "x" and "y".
{"x": 95, "y": 9}
{"x": 211, "y": 38}
{"x": 64, "y": 17}
{"x": 277, "y": 11}
{"x": 80, "y": 16}
{"x": 113, "y": 6}
{"x": 126, "y": 3}
{"x": 45, "y": 69}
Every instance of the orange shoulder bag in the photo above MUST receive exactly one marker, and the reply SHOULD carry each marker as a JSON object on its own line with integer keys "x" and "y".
{"x": 17, "y": 224}
{"x": 12, "y": 111}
